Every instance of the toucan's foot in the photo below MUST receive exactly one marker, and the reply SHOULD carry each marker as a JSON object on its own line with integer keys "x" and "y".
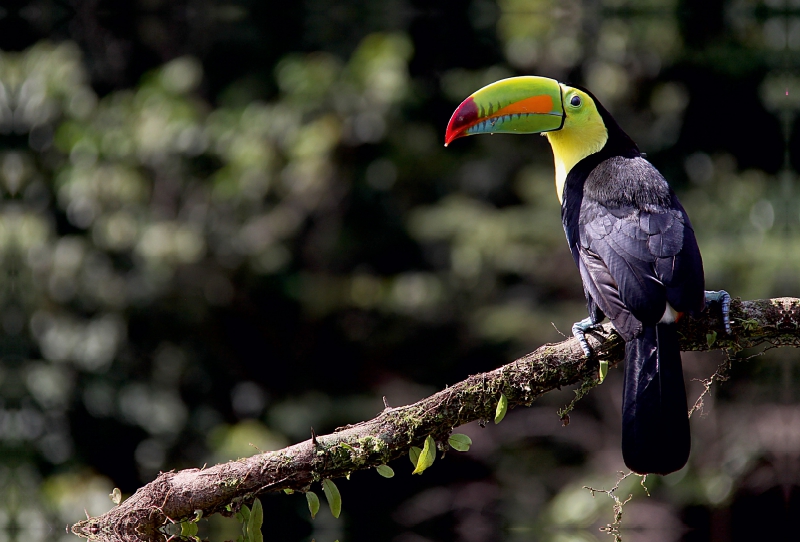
{"x": 724, "y": 299}
{"x": 579, "y": 330}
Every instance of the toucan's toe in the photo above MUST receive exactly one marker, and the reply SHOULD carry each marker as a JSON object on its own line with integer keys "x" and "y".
{"x": 579, "y": 330}
{"x": 724, "y": 299}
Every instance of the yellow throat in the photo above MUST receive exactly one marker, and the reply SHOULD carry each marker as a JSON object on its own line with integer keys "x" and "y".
{"x": 584, "y": 133}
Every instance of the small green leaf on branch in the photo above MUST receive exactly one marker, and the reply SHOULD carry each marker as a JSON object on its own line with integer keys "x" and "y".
{"x": 413, "y": 455}
{"x": 255, "y": 522}
{"x": 603, "y": 369}
{"x": 333, "y": 496}
{"x": 459, "y": 442}
{"x": 427, "y": 456}
{"x": 313, "y": 503}
{"x": 243, "y": 515}
{"x": 711, "y": 338}
{"x": 502, "y": 408}
{"x": 188, "y": 529}
{"x": 385, "y": 470}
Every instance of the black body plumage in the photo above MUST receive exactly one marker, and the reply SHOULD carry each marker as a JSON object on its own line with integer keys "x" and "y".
{"x": 636, "y": 251}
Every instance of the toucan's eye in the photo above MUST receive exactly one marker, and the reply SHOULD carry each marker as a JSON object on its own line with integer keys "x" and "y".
{"x": 575, "y": 101}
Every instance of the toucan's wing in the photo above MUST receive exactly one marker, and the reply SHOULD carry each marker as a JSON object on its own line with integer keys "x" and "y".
{"x": 635, "y": 256}
{"x": 682, "y": 271}
{"x": 602, "y": 293}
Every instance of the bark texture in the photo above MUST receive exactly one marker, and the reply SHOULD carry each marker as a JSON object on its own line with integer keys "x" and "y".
{"x": 175, "y": 496}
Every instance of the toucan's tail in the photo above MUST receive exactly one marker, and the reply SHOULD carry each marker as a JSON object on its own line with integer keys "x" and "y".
{"x": 655, "y": 423}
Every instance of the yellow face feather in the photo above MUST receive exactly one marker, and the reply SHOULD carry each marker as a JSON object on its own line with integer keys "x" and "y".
{"x": 584, "y": 133}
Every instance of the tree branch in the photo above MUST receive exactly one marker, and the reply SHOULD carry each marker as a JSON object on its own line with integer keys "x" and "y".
{"x": 223, "y": 488}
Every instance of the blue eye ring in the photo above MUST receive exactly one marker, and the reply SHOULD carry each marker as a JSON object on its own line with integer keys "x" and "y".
{"x": 575, "y": 101}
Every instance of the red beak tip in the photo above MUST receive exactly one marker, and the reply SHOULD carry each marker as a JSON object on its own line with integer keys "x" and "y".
{"x": 450, "y": 136}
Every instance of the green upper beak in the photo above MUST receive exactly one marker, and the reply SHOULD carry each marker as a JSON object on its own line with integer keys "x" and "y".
{"x": 518, "y": 105}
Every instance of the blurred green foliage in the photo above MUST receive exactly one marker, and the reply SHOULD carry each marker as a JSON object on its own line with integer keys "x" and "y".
{"x": 223, "y": 254}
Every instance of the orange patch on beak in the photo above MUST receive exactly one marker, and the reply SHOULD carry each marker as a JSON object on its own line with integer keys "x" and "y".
{"x": 534, "y": 104}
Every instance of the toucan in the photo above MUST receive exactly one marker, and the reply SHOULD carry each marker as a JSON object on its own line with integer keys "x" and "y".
{"x": 633, "y": 244}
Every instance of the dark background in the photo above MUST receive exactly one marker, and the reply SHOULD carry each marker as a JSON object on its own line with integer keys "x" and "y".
{"x": 224, "y": 223}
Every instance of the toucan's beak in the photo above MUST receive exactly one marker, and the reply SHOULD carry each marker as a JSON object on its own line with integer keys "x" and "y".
{"x": 519, "y": 105}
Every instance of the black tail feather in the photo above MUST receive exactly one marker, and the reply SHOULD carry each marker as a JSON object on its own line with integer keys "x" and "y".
{"x": 655, "y": 423}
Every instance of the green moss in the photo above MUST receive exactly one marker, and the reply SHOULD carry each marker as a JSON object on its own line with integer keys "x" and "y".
{"x": 230, "y": 482}
{"x": 373, "y": 445}
{"x": 580, "y": 392}
{"x": 411, "y": 420}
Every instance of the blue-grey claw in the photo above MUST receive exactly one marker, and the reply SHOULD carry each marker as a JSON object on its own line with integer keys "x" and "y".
{"x": 579, "y": 330}
{"x": 723, "y": 298}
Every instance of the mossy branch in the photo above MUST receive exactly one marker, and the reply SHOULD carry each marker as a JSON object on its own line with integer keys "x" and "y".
{"x": 175, "y": 496}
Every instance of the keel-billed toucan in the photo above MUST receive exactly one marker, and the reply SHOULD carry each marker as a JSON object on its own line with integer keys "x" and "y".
{"x": 633, "y": 244}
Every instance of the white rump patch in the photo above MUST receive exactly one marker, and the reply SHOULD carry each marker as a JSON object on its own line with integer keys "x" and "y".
{"x": 670, "y": 315}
